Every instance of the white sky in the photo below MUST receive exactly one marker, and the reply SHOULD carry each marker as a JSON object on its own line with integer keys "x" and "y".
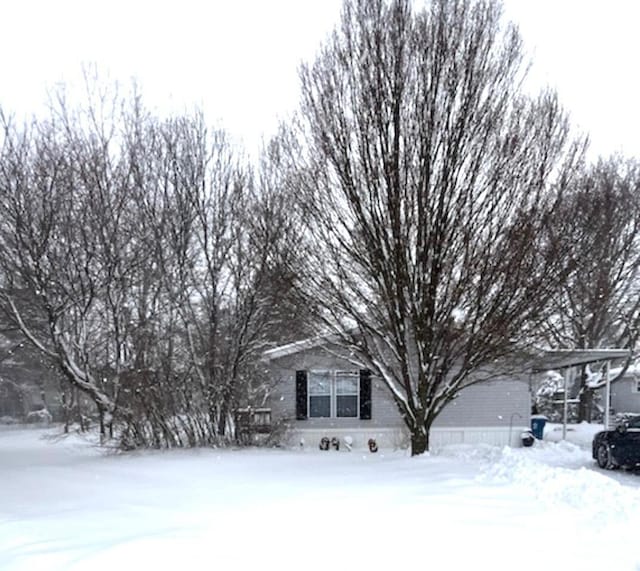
{"x": 238, "y": 58}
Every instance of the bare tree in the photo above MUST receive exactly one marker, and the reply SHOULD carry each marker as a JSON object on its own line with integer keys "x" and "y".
{"x": 237, "y": 243}
{"x": 67, "y": 239}
{"x": 48, "y": 248}
{"x": 428, "y": 177}
{"x": 597, "y": 228}
{"x": 218, "y": 240}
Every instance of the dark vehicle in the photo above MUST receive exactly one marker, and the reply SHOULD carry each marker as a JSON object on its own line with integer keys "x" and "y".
{"x": 618, "y": 447}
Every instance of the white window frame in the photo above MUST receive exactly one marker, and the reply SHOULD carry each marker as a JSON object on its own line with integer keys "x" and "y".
{"x": 333, "y": 393}
{"x": 635, "y": 387}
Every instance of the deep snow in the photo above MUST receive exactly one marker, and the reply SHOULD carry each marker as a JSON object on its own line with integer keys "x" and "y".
{"x": 64, "y": 504}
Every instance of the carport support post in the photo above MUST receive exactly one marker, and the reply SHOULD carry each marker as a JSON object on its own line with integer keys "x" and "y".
{"x": 607, "y": 395}
{"x": 565, "y": 404}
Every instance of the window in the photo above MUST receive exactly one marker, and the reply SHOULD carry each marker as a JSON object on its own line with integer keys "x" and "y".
{"x": 347, "y": 394}
{"x": 333, "y": 394}
{"x": 319, "y": 394}
{"x": 635, "y": 386}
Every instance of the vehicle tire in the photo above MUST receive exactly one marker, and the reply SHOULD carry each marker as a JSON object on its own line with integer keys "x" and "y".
{"x": 605, "y": 458}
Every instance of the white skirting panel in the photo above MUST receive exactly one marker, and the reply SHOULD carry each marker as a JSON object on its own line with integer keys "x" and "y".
{"x": 389, "y": 438}
{"x": 397, "y": 438}
{"x": 494, "y": 436}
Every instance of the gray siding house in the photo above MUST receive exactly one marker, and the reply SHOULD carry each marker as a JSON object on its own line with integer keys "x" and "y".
{"x": 318, "y": 393}
{"x": 625, "y": 392}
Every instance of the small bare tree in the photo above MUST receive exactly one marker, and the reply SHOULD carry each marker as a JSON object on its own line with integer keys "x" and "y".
{"x": 597, "y": 228}
{"x": 219, "y": 239}
{"x": 428, "y": 178}
{"x": 238, "y": 243}
{"x": 50, "y": 246}
{"x": 71, "y": 239}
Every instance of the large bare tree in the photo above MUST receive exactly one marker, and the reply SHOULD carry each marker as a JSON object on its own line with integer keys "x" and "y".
{"x": 428, "y": 177}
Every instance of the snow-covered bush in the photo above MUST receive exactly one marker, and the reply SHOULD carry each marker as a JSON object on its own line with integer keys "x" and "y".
{"x": 546, "y": 395}
{"x": 39, "y": 416}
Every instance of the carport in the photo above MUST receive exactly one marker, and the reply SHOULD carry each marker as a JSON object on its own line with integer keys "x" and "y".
{"x": 567, "y": 360}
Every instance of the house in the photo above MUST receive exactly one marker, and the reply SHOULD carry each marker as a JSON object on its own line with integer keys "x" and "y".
{"x": 319, "y": 394}
{"x": 625, "y": 392}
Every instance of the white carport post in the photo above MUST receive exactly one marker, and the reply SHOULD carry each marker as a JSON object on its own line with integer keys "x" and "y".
{"x": 568, "y": 359}
{"x": 607, "y": 395}
{"x": 565, "y": 404}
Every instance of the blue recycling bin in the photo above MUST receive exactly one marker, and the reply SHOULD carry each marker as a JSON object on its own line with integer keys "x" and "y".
{"x": 537, "y": 426}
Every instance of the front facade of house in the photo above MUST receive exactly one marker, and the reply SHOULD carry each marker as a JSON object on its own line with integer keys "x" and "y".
{"x": 320, "y": 394}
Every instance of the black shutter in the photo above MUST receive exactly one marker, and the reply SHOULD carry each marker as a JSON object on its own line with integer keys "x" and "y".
{"x": 301, "y": 395}
{"x": 365, "y": 394}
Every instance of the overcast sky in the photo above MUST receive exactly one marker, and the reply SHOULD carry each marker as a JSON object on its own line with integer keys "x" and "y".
{"x": 238, "y": 58}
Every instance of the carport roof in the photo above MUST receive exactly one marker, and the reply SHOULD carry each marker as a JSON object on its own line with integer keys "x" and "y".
{"x": 563, "y": 358}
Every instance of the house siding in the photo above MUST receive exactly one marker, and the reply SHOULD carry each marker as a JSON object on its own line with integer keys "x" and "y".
{"x": 623, "y": 396}
{"x": 493, "y": 412}
{"x": 491, "y": 403}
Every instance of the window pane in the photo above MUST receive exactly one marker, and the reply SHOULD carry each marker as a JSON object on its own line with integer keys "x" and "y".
{"x": 319, "y": 383}
{"x": 320, "y": 406}
{"x": 347, "y": 406}
{"x": 347, "y": 385}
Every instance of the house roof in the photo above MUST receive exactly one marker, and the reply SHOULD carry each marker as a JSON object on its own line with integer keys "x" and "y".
{"x": 296, "y": 347}
{"x": 547, "y": 360}
{"x": 633, "y": 369}
{"x": 327, "y": 338}
{"x": 561, "y": 359}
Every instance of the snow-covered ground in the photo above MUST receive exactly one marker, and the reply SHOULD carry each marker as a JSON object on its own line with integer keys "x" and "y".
{"x": 64, "y": 504}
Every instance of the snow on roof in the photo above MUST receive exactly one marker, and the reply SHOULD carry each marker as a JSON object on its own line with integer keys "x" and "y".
{"x": 326, "y": 338}
{"x": 633, "y": 369}
{"x": 563, "y": 358}
{"x": 595, "y": 379}
{"x": 296, "y": 347}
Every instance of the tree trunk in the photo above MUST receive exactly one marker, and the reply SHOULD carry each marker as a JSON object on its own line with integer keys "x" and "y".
{"x": 213, "y": 411}
{"x": 419, "y": 440}
{"x": 585, "y": 396}
{"x": 222, "y": 420}
{"x": 106, "y": 423}
{"x": 102, "y": 425}
{"x": 65, "y": 412}
{"x": 585, "y": 405}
